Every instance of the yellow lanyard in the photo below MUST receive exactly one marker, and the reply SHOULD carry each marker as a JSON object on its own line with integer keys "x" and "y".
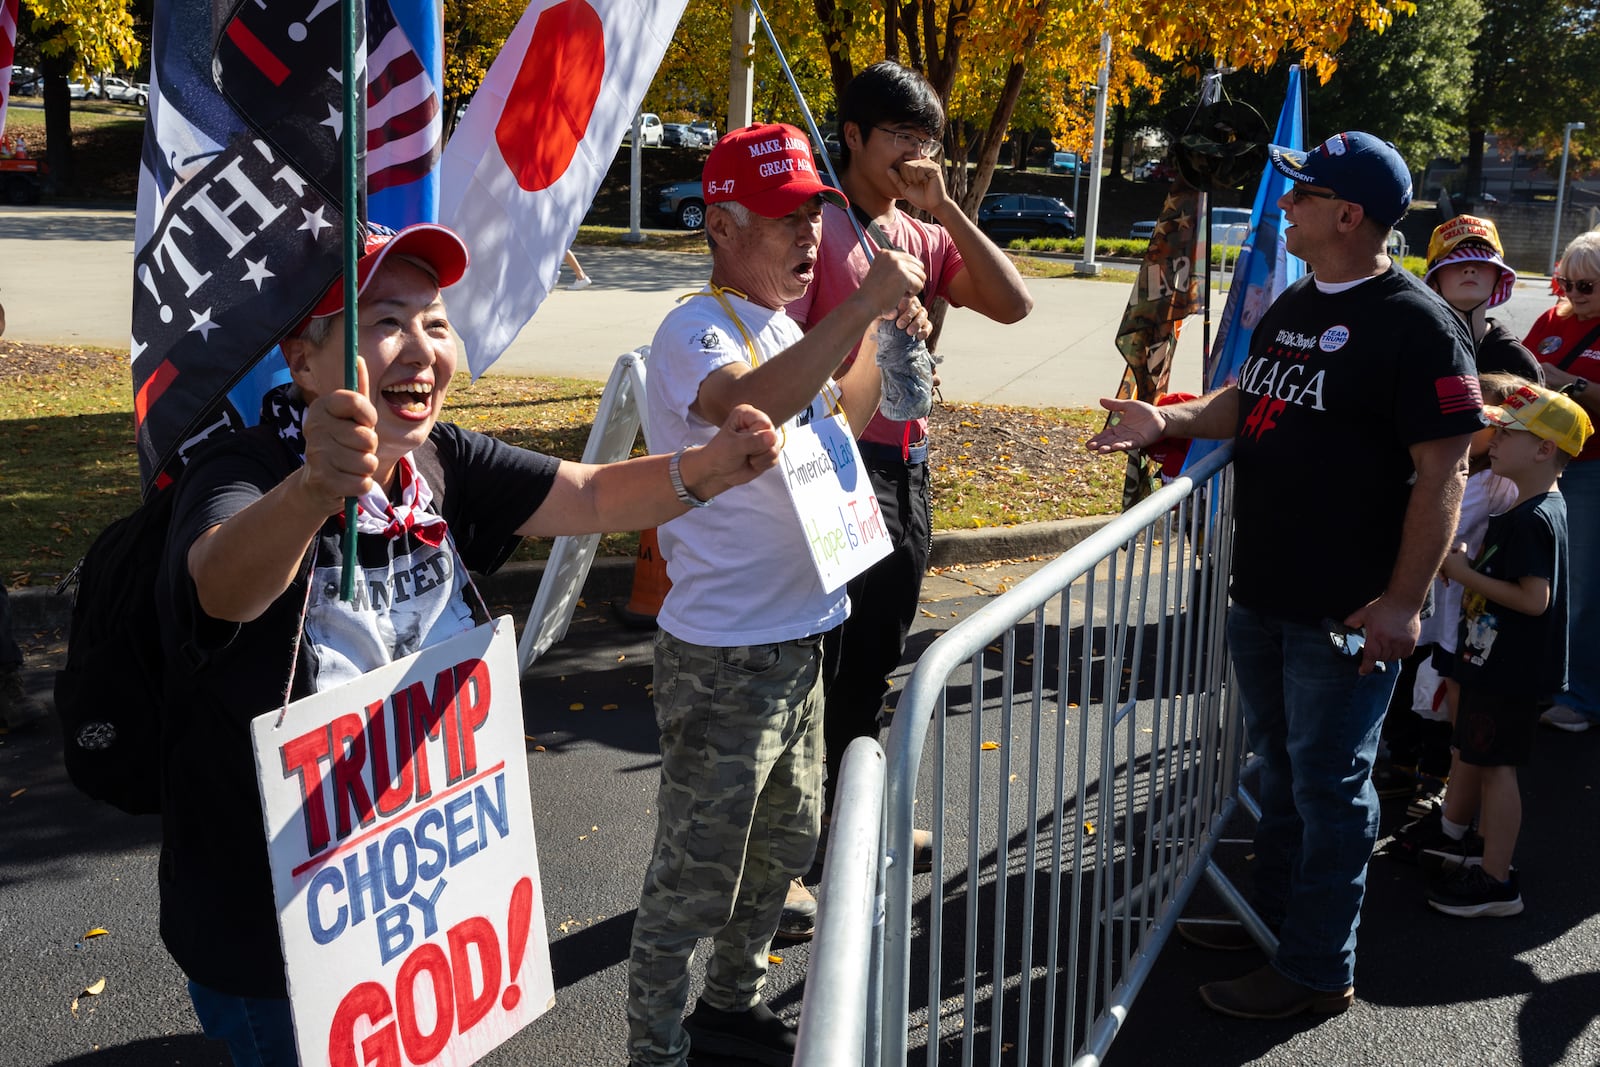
{"x": 830, "y": 390}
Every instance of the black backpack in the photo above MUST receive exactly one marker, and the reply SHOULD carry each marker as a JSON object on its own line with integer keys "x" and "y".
{"x": 109, "y": 694}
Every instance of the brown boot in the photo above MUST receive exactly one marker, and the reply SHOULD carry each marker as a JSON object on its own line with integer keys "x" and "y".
{"x": 1265, "y": 993}
{"x": 799, "y": 919}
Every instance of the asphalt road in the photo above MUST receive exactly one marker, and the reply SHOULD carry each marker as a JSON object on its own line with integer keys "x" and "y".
{"x": 1431, "y": 990}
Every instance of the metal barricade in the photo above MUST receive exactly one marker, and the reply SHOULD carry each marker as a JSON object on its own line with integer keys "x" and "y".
{"x": 1076, "y": 808}
{"x": 846, "y": 951}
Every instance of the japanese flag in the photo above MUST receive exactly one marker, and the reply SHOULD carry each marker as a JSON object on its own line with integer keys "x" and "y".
{"x": 521, "y": 170}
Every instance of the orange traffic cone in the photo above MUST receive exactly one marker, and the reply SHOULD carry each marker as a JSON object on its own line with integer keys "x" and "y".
{"x": 650, "y": 585}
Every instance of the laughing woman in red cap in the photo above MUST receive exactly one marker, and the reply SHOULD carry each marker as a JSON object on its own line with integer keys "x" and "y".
{"x": 249, "y": 593}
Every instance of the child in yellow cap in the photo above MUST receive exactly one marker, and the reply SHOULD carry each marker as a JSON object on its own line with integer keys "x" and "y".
{"x": 1512, "y": 645}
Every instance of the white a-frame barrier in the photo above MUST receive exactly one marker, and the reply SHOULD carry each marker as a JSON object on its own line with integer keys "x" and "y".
{"x": 616, "y": 426}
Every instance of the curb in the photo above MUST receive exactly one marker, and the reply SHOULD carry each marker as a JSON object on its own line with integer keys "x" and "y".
{"x": 611, "y": 577}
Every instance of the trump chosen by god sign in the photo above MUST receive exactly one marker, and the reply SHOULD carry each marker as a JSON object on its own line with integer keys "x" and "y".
{"x": 401, "y": 836}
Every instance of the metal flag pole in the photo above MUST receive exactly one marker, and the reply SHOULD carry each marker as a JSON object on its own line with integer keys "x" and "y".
{"x": 811, "y": 124}
{"x": 352, "y": 254}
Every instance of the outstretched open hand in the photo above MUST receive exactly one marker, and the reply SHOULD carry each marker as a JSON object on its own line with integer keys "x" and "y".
{"x": 1134, "y": 424}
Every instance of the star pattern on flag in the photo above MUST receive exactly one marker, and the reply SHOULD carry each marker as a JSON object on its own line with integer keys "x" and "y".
{"x": 334, "y": 120}
{"x": 314, "y": 222}
{"x": 257, "y": 272}
{"x": 203, "y": 324}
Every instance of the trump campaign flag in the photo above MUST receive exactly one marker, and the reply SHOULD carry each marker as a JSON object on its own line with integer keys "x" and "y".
{"x": 1264, "y": 267}
{"x": 240, "y": 225}
{"x": 524, "y": 165}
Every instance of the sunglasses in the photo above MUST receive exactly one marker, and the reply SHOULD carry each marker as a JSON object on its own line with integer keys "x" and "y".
{"x": 1305, "y": 192}
{"x": 1347, "y": 641}
{"x": 1581, "y": 286}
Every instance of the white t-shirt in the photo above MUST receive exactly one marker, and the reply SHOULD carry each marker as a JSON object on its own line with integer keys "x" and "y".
{"x": 1486, "y": 494}
{"x": 741, "y": 570}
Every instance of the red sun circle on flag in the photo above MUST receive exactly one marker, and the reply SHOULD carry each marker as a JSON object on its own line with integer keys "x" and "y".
{"x": 554, "y": 93}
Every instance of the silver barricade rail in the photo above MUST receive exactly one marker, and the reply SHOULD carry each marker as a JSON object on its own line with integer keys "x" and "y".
{"x": 1076, "y": 809}
{"x": 847, "y": 948}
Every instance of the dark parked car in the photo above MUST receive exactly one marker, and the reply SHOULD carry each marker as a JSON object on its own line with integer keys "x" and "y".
{"x": 684, "y": 202}
{"x": 1006, "y": 215}
{"x": 677, "y": 135}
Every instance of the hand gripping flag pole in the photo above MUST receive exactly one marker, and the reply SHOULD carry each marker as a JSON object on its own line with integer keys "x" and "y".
{"x": 353, "y": 242}
{"x": 906, "y": 364}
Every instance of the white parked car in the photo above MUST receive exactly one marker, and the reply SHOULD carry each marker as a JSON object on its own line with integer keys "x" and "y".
{"x": 651, "y": 131}
{"x": 82, "y": 90}
{"x": 113, "y": 88}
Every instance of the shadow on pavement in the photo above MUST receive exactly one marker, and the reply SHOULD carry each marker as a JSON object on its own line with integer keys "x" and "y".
{"x": 183, "y": 1050}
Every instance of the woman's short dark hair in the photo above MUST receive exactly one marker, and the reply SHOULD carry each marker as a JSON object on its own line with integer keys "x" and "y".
{"x": 888, "y": 93}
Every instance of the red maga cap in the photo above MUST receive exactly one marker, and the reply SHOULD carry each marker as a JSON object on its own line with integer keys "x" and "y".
{"x": 437, "y": 247}
{"x": 766, "y": 167}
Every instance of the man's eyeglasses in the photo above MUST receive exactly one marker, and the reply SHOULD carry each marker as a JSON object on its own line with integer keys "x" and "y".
{"x": 1306, "y": 192}
{"x": 926, "y": 147}
{"x": 1581, "y": 286}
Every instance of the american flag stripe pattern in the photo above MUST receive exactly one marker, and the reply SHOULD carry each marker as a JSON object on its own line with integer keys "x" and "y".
{"x": 1458, "y": 392}
{"x": 404, "y": 125}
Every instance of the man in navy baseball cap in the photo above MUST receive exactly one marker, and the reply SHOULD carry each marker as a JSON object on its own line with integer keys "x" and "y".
{"x": 1368, "y": 534}
{"x": 1353, "y": 166}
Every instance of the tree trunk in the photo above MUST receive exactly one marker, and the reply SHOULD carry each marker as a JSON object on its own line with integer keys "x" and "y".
{"x": 1118, "y": 143}
{"x": 891, "y": 31}
{"x": 57, "y": 123}
{"x": 832, "y": 24}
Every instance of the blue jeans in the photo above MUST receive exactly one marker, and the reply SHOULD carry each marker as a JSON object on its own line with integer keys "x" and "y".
{"x": 258, "y": 1031}
{"x": 1314, "y": 722}
{"x": 1580, "y": 485}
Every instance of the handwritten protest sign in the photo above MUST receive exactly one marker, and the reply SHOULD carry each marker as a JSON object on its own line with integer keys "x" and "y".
{"x": 833, "y": 496}
{"x": 400, "y": 830}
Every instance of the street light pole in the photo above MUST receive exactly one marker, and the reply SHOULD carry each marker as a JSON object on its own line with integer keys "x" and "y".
{"x": 1561, "y": 192}
{"x": 1088, "y": 265}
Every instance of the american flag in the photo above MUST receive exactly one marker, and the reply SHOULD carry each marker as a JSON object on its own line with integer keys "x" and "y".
{"x": 405, "y": 128}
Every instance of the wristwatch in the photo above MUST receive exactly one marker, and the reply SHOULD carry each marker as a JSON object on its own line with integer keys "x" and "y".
{"x": 676, "y": 477}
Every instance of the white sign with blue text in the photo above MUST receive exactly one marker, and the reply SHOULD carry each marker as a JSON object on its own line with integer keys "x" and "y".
{"x": 833, "y": 495}
{"x": 400, "y": 830}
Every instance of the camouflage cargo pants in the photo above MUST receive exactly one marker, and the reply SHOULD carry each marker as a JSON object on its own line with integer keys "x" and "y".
{"x": 739, "y": 816}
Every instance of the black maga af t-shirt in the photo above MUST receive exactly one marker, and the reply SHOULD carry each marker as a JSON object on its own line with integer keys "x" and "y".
{"x": 1335, "y": 390}
{"x": 1505, "y": 651}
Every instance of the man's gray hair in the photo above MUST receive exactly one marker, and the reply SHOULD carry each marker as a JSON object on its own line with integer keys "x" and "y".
{"x": 740, "y": 215}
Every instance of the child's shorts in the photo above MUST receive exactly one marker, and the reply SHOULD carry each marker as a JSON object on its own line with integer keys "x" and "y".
{"x": 1444, "y": 662}
{"x": 1493, "y": 730}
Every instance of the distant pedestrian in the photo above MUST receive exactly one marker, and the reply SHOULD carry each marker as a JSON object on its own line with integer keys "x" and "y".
{"x": 582, "y": 281}
{"x": 1350, "y": 420}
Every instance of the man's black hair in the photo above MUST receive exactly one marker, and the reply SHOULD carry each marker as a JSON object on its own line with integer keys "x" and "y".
{"x": 888, "y": 94}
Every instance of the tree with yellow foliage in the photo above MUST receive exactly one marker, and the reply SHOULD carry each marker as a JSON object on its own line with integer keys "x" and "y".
{"x": 74, "y": 37}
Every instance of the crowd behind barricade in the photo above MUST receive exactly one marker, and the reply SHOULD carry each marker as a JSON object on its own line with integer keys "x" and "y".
{"x": 1448, "y": 565}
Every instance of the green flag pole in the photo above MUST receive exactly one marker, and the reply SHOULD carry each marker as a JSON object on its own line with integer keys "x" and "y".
{"x": 352, "y": 254}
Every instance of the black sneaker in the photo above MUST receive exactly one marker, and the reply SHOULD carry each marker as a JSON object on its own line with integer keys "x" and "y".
{"x": 1422, "y": 836}
{"x": 1448, "y": 855}
{"x": 1469, "y": 893}
{"x": 754, "y": 1036}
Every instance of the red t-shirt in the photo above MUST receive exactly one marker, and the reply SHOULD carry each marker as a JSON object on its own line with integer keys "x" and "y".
{"x": 840, "y": 267}
{"x": 1551, "y": 338}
